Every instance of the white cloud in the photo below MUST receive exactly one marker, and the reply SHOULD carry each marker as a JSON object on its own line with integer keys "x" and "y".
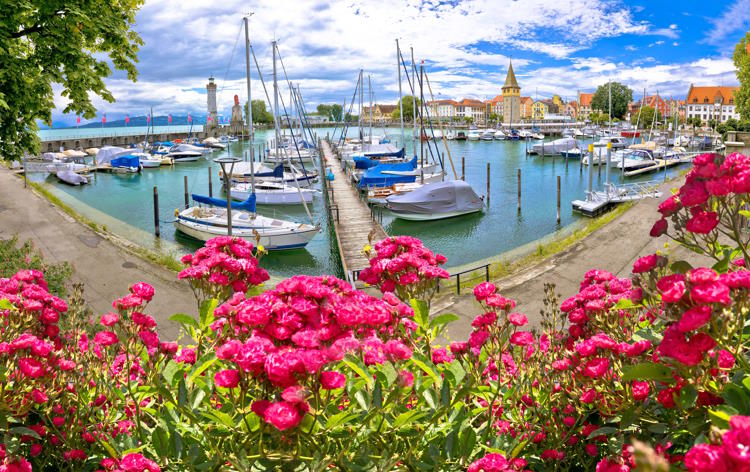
{"x": 733, "y": 22}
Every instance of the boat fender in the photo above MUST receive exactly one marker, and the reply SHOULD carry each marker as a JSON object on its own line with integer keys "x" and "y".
{"x": 176, "y": 212}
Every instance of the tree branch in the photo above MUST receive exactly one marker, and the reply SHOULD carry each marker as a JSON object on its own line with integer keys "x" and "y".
{"x": 36, "y": 28}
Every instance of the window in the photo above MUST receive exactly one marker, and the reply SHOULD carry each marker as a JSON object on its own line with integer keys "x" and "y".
{"x": 705, "y": 100}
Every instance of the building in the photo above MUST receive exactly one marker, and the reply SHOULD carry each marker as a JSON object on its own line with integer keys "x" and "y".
{"x": 212, "y": 120}
{"x": 526, "y": 111}
{"x": 539, "y": 110}
{"x": 380, "y": 113}
{"x": 471, "y": 108}
{"x": 711, "y": 103}
{"x": 552, "y": 107}
{"x": 511, "y": 97}
{"x": 584, "y": 105}
{"x": 442, "y": 108}
{"x": 570, "y": 109}
{"x": 496, "y": 105}
{"x": 558, "y": 101}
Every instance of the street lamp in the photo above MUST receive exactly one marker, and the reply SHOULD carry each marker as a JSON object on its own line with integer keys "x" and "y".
{"x": 223, "y": 161}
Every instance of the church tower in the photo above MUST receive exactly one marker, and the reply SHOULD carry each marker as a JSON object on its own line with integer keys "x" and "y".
{"x": 511, "y": 98}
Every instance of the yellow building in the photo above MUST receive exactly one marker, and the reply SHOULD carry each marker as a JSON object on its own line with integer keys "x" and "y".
{"x": 538, "y": 110}
{"x": 558, "y": 101}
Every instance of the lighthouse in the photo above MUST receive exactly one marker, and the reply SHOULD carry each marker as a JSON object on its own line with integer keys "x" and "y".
{"x": 212, "y": 120}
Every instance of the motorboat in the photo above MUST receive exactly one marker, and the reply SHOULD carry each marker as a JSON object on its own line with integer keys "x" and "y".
{"x": 72, "y": 178}
{"x": 184, "y": 153}
{"x": 574, "y": 153}
{"x": 473, "y": 135}
{"x": 554, "y": 147}
{"x": 618, "y": 142}
{"x": 524, "y": 134}
{"x": 487, "y": 135}
{"x": 148, "y": 161}
{"x": 241, "y": 173}
{"x": 166, "y": 161}
{"x": 513, "y": 135}
{"x": 578, "y": 133}
{"x": 600, "y": 156}
{"x": 272, "y": 193}
{"x": 213, "y": 143}
{"x": 436, "y": 201}
{"x": 568, "y": 133}
{"x": 209, "y": 219}
{"x": 126, "y": 164}
{"x": 378, "y": 195}
{"x": 537, "y": 136}
{"x": 461, "y": 136}
{"x": 634, "y": 159}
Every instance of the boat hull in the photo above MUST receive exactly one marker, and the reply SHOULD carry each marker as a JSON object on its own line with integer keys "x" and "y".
{"x": 271, "y": 242}
{"x": 431, "y": 217}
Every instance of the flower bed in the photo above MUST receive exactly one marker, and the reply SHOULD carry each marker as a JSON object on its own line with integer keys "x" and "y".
{"x": 648, "y": 371}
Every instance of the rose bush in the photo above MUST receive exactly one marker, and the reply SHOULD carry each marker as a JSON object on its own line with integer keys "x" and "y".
{"x": 646, "y": 372}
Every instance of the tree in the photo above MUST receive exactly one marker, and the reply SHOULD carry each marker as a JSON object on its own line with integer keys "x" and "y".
{"x": 260, "y": 112}
{"x": 712, "y": 123}
{"x": 68, "y": 43}
{"x": 336, "y": 112}
{"x": 647, "y": 116}
{"x": 493, "y": 117}
{"x": 621, "y": 96}
{"x": 697, "y": 122}
{"x": 742, "y": 63}
{"x": 409, "y": 103}
{"x": 468, "y": 120}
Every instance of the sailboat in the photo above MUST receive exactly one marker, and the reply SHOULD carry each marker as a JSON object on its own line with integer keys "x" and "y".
{"x": 209, "y": 218}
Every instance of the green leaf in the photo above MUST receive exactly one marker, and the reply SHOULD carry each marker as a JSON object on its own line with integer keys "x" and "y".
{"x": 604, "y": 430}
{"x": 183, "y": 319}
{"x": 170, "y": 370}
{"x": 746, "y": 383}
{"x": 719, "y": 417}
{"x": 5, "y": 304}
{"x": 430, "y": 397}
{"x": 405, "y": 419}
{"x": 207, "y": 312}
{"x": 681, "y": 267}
{"x": 424, "y": 364}
{"x": 363, "y": 399}
{"x": 457, "y": 371}
{"x": 357, "y": 366}
{"x": 442, "y": 320}
{"x": 160, "y": 441}
{"x": 23, "y": 431}
{"x": 625, "y": 304}
{"x": 421, "y": 313}
{"x": 389, "y": 372}
{"x": 377, "y": 395}
{"x": 340, "y": 419}
{"x": 737, "y": 398}
{"x": 220, "y": 417}
{"x": 647, "y": 371}
{"x": 687, "y": 397}
{"x": 202, "y": 365}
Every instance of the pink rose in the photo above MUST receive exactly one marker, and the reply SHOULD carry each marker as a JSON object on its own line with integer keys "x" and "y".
{"x": 659, "y": 228}
{"x": 331, "y": 380}
{"x": 105, "y": 338}
{"x": 645, "y": 264}
{"x": 109, "y": 319}
{"x": 702, "y": 222}
{"x": 711, "y": 292}
{"x": 521, "y": 338}
{"x": 517, "y": 319}
{"x": 31, "y": 367}
{"x": 640, "y": 390}
{"x": 283, "y": 415}
{"x": 143, "y": 290}
{"x": 672, "y": 287}
{"x": 596, "y": 367}
{"x": 694, "y": 318}
{"x": 228, "y": 378}
{"x": 704, "y": 458}
{"x": 725, "y": 359}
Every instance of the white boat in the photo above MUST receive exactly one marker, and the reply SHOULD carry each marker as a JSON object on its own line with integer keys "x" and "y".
{"x": 537, "y": 136}
{"x": 578, "y": 133}
{"x": 600, "y": 157}
{"x": 213, "y": 143}
{"x": 618, "y": 142}
{"x": 499, "y": 135}
{"x": 241, "y": 174}
{"x": 52, "y": 166}
{"x": 272, "y": 193}
{"x": 554, "y": 147}
{"x": 436, "y": 201}
{"x": 204, "y": 223}
{"x": 450, "y": 135}
{"x": 574, "y": 153}
{"x": 487, "y": 135}
{"x": 524, "y": 134}
{"x": 166, "y": 161}
{"x": 634, "y": 159}
{"x": 70, "y": 177}
{"x": 378, "y": 195}
{"x": 149, "y": 161}
{"x": 473, "y": 135}
{"x": 568, "y": 133}
{"x": 185, "y": 153}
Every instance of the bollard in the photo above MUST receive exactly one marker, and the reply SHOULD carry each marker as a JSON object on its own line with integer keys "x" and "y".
{"x": 210, "y": 185}
{"x": 187, "y": 202}
{"x": 463, "y": 168}
{"x": 558, "y": 199}
{"x": 488, "y": 185}
{"x": 519, "y": 190}
{"x": 156, "y": 211}
{"x": 591, "y": 170}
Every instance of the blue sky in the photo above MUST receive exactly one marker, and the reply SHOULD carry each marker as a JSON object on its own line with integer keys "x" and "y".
{"x": 557, "y": 46}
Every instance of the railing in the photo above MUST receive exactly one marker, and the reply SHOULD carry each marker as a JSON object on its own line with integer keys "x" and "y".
{"x": 458, "y": 275}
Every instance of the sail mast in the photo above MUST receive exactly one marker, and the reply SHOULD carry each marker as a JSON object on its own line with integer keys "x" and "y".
{"x": 400, "y": 99}
{"x": 249, "y": 107}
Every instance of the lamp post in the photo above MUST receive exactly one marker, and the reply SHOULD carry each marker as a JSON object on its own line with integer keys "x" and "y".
{"x": 223, "y": 161}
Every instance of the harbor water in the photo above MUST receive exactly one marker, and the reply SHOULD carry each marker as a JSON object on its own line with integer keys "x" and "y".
{"x": 124, "y": 203}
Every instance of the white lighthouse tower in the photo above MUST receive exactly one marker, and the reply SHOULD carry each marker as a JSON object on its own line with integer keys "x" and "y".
{"x": 212, "y": 120}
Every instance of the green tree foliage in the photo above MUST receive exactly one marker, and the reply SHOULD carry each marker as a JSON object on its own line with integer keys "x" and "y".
{"x": 333, "y": 112}
{"x": 647, "y": 116}
{"x": 409, "y": 103}
{"x": 260, "y": 112}
{"x": 621, "y": 96}
{"x": 742, "y": 63}
{"x": 66, "y": 42}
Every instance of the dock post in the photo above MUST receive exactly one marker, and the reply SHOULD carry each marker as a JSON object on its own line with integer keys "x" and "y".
{"x": 622, "y": 169}
{"x": 665, "y": 169}
{"x": 519, "y": 190}
{"x": 463, "y": 168}
{"x": 488, "y": 185}
{"x": 591, "y": 170}
{"x": 95, "y": 167}
{"x": 558, "y": 199}
{"x": 609, "y": 160}
{"x": 210, "y": 185}
{"x": 187, "y": 202}
{"x": 156, "y": 211}
{"x": 599, "y": 168}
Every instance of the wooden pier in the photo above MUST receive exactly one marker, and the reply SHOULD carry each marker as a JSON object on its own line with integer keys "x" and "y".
{"x": 352, "y": 218}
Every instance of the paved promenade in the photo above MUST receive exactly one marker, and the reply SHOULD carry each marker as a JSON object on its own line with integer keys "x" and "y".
{"x": 613, "y": 247}
{"x": 105, "y": 269}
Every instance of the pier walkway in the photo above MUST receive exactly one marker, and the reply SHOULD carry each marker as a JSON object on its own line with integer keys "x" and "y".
{"x": 352, "y": 219}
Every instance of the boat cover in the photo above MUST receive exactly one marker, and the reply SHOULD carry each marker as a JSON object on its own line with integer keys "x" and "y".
{"x": 186, "y": 148}
{"x": 374, "y": 176}
{"x": 436, "y": 198}
{"x": 70, "y": 177}
{"x": 371, "y": 159}
{"x": 555, "y": 147}
{"x": 248, "y": 205}
{"x": 107, "y": 153}
{"x": 126, "y": 161}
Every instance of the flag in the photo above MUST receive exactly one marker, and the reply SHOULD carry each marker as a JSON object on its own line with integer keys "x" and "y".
{"x": 209, "y": 118}
{"x": 78, "y": 120}
{"x": 127, "y": 119}
{"x": 169, "y": 118}
{"x": 190, "y": 119}
{"x": 148, "y": 118}
{"x": 104, "y": 118}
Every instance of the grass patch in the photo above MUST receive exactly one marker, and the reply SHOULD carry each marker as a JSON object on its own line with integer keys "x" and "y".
{"x": 169, "y": 261}
{"x": 503, "y": 268}
{"x": 15, "y": 257}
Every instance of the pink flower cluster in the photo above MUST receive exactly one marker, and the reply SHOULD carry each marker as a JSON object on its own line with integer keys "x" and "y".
{"x": 402, "y": 264}
{"x": 223, "y": 266}
{"x": 286, "y": 337}
{"x": 497, "y": 463}
{"x": 732, "y": 454}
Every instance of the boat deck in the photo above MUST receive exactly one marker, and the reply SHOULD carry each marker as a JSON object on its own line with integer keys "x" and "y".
{"x": 352, "y": 221}
{"x": 659, "y": 164}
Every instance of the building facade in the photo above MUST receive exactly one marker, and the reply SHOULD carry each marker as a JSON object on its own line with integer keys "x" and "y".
{"x": 570, "y": 109}
{"x": 442, "y": 108}
{"x": 584, "y": 105}
{"x": 380, "y": 113}
{"x": 511, "y": 97}
{"x": 539, "y": 110}
{"x": 526, "y": 108}
{"x": 711, "y": 103}
{"x": 470, "y": 108}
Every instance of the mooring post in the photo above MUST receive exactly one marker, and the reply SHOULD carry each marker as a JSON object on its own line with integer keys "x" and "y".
{"x": 488, "y": 185}
{"x": 609, "y": 161}
{"x": 591, "y": 170}
{"x": 187, "y": 202}
{"x": 558, "y": 199}
{"x": 519, "y": 190}
{"x": 463, "y": 168}
{"x": 156, "y": 211}
{"x": 210, "y": 184}
{"x": 622, "y": 169}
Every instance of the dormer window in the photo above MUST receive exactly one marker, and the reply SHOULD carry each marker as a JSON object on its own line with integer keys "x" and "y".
{"x": 705, "y": 100}
{"x": 695, "y": 100}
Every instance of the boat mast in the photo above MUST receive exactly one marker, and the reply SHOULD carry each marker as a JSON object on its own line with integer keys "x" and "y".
{"x": 275, "y": 96}
{"x": 610, "y": 107}
{"x": 414, "y": 99}
{"x": 400, "y": 99}
{"x": 361, "y": 90}
{"x": 369, "y": 89}
{"x": 250, "y": 107}
{"x": 421, "y": 121}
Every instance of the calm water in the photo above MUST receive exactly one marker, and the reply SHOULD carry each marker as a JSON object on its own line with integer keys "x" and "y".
{"x": 125, "y": 205}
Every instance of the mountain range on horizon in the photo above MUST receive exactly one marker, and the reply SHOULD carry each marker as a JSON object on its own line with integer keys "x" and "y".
{"x": 134, "y": 121}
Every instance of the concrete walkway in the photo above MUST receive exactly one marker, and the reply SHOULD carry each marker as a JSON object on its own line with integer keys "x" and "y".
{"x": 105, "y": 269}
{"x": 614, "y": 247}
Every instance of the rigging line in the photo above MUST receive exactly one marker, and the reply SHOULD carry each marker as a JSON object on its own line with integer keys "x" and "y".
{"x": 231, "y": 58}
{"x": 348, "y": 114}
{"x": 414, "y": 104}
{"x": 275, "y": 121}
{"x": 440, "y": 123}
{"x": 289, "y": 84}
